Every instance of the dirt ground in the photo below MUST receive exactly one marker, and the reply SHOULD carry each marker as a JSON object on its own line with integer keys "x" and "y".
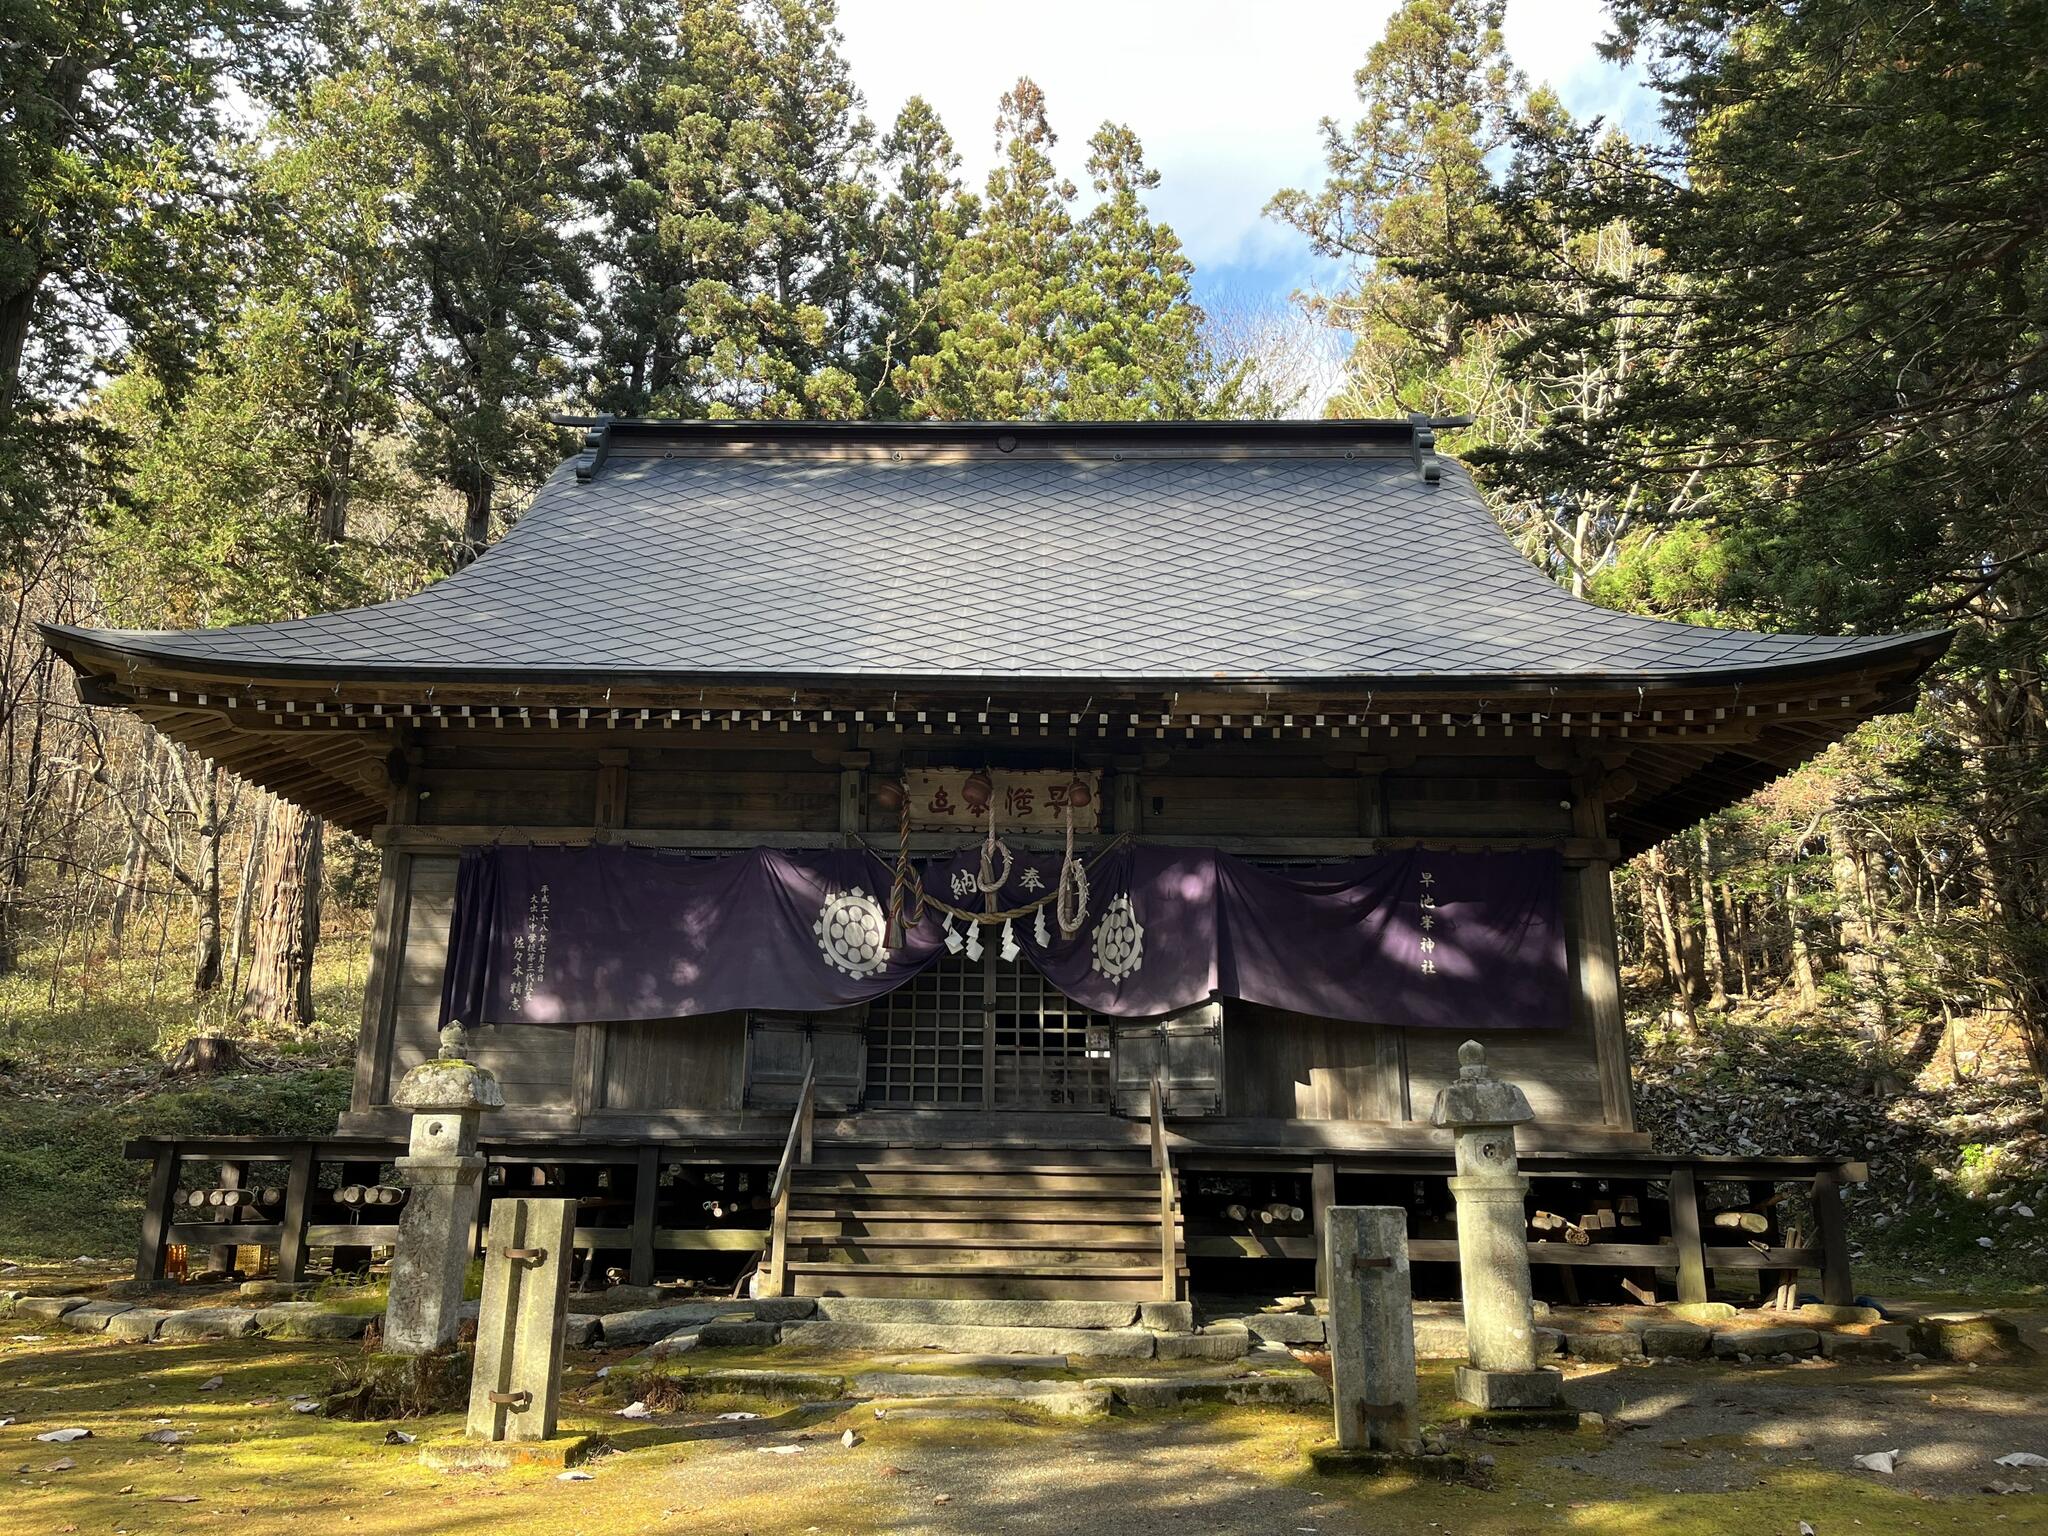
{"x": 1685, "y": 1449}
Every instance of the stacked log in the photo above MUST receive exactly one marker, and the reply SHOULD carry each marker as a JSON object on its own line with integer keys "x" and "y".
{"x": 228, "y": 1206}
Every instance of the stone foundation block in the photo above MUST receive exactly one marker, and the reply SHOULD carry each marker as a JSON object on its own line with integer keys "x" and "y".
{"x": 977, "y": 1314}
{"x": 581, "y": 1330}
{"x": 726, "y": 1333}
{"x": 1862, "y": 1346}
{"x": 1097, "y": 1343}
{"x": 1766, "y": 1342}
{"x": 637, "y": 1329}
{"x": 454, "y": 1455}
{"x": 1604, "y": 1347}
{"x": 1334, "y": 1460}
{"x": 1540, "y": 1388}
{"x": 1288, "y": 1327}
{"x": 209, "y": 1323}
{"x": 1983, "y": 1336}
{"x": 1167, "y": 1316}
{"x": 1686, "y": 1341}
{"x": 94, "y": 1316}
{"x": 1220, "y": 1341}
{"x": 1440, "y": 1338}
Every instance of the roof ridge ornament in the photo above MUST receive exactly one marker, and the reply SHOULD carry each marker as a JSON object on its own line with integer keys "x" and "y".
{"x": 597, "y": 446}
{"x": 1423, "y": 445}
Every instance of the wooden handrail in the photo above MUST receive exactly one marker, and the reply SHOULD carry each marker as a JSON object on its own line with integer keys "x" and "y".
{"x": 1169, "y": 1198}
{"x": 796, "y": 1148}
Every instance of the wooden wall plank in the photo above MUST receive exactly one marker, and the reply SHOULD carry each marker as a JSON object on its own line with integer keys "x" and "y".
{"x": 675, "y": 1064}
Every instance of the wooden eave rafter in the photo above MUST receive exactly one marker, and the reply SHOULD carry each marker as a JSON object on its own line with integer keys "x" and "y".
{"x": 1689, "y": 749}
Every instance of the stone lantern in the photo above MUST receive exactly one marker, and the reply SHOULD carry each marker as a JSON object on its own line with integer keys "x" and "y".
{"x": 1481, "y": 1112}
{"x": 443, "y": 1175}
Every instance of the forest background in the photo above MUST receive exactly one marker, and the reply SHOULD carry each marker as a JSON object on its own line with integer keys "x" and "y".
{"x": 292, "y": 293}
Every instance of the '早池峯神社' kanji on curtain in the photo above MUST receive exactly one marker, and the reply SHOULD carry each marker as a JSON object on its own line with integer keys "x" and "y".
{"x": 561, "y": 935}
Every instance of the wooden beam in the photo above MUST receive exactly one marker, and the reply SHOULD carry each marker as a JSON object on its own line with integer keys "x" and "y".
{"x": 646, "y": 1189}
{"x": 1837, "y": 1287}
{"x": 156, "y": 1214}
{"x": 1685, "y": 1235}
{"x": 298, "y": 1197}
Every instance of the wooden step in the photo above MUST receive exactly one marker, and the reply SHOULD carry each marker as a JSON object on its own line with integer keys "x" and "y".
{"x": 1130, "y": 1167}
{"x": 1004, "y": 1186}
{"x": 973, "y": 1230}
{"x": 954, "y": 1285}
{"x": 813, "y": 1190}
{"x": 982, "y": 1244}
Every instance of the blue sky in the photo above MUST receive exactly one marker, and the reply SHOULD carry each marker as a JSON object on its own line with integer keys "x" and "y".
{"x": 1227, "y": 97}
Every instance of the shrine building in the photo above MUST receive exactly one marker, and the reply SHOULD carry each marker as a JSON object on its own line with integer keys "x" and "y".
{"x": 1036, "y": 860}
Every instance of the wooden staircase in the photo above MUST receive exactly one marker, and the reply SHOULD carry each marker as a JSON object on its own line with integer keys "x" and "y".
{"x": 1010, "y": 1223}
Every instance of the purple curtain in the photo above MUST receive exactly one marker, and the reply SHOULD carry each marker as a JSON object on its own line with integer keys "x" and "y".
{"x": 1467, "y": 941}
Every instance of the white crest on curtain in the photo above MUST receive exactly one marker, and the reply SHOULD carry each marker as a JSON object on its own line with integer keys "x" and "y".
{"x": 1119, "y": 942}
{"x": 850, "y": 926}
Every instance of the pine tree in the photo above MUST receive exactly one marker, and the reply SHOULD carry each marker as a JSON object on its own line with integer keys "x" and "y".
{"x": 1139, "y": 351}
{"x": 737, "y": 214}
{"x": 1012, "y": 293}
{"x": 924, "y": 212}
{"x": 490, "y": 104}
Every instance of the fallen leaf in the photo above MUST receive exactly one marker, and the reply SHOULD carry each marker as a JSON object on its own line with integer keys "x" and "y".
{"x": 636, "y": 1410}
{"x": 2011, "y": 1459}
{"x": 849, "y": 1439}
{"x": 164, "y": 1436}
{"x": 398, "y": 1437}
{"x": 942, "y": 1498}
{"x": 179, "y": 1498}
{"x": 62, "y": 1464}
{"x": 212, "y": 1384}
{"x": 779, "y": 1450}
{"x": 575, "y": 1475}
{"x": 64, "y": 1436}
{"x": 735, "y": 1418}
{"x": 1879, "y": 1461}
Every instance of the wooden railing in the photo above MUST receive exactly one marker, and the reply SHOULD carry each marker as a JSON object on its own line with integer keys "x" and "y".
{"x": 1169, "y": 1199}
{"x": 796, "y": 1149}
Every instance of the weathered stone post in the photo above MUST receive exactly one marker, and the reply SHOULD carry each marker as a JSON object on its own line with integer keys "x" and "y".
{"x": 516, "y": 1387}
{"x": 447, "y": 1096}
{"x": 1482, "y": 1112}
{"x": 1372, "y": 1328}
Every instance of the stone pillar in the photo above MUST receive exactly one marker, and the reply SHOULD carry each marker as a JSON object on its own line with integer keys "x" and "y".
{"x": 1481, "y": 1113}
{"x": 1372, "y": 1328}
{"x": 441, "y": 1172}
{"x": 516, "y": 1385}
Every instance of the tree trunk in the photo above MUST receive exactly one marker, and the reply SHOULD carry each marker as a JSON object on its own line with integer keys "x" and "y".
{"x": 1806, "y": 986}
{"x": 1711, "y": 955}
{"x": 1738, "y": 925}
{"x": 1674, "y": 946}
{"x": 206, "y": 895}
{"x": 1860, "y": 958}
{"x": 287, "y": 928}
{"x": 477, "y": 494}
{"x": 245, "y": 895}
{"x": 135, "y": 863}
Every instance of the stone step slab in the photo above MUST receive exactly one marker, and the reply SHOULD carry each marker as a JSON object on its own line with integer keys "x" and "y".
{"x": 642, "y": 1326}
{"x": 94, "y": 1316}
{"x": 50, "y": 1308}
{"x": 1291, "y": 1389}
{"x": 932, "y": 1384}
{"x": 310, "y": 1320}
{"x": 980, "y": 1339}
{"x": 1765, "y": 1342}
{"x": 1605, "y": 1348}
{"x": 1680, "y": 1341}
{"x": 1980, "y": 1336}
{"x": 209, "y": 1323}
{"x": 1219, "y": 1341}
{"x": 1290, "y": 1327}
{"x": 1167, "y": 1316}
{"x": 138, "y": 1325}
{"x": 952, "y": 1313}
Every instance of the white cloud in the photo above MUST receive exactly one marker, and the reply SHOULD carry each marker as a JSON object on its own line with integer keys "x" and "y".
{"x": 1226, "y": 96}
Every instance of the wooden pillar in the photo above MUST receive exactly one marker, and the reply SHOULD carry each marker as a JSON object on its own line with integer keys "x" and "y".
{"x": 223, "y": 1257}
{"x": 1322, "y": 1194}
{"x": 1837, "y": 1287}
{"x": 291, "y": 1232}
{"x": 1685, "y": 1235}
{"x": 646, "y": 1189}
{"x": 156, "y": 1214}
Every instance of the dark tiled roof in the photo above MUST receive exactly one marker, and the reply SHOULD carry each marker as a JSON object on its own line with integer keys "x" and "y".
{"x": 1195, "y": 566}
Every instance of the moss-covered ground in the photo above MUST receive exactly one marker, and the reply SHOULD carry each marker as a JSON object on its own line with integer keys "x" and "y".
{"x": 1701, "y": 1449}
